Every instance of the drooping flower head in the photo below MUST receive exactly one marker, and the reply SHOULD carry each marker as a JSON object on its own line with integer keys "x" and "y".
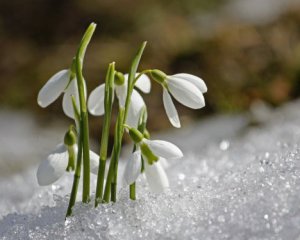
{"x": 185, "y": 88}
{"x": 152, "y": 152}
{"x": 62, "y": 159}
{"x": 65, "y": 82}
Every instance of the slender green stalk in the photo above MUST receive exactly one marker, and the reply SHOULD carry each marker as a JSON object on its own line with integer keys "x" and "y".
{"x": 108, "y": 100}
{"x": 76, "y": 111}
{"x": 131, "y": 81}
{"x": 141, "y": 128}
{"x": 83, "y": 111}
{"x": 113, "y": 167}
{"x": 100, "y": 182}
{"x": 116, "y": 162}
{"x": 132, "y": 193}
{"x": 76, "y": 180}
{"x": 113, "y": 194}
{"x": 115, "y": 155}
{"x": 131, "y": 77}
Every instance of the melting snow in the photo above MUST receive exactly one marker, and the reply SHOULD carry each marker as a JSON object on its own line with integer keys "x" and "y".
{"x": 233, "y": 183}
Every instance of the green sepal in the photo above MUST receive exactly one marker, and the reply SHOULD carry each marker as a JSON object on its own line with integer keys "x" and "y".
{"x": 148, "y": 154}
{"x": 135, "y": 135}
{"x": 158, "y": 75}
{"x": 70, "y": 137}
{"x": 119, "y": 78}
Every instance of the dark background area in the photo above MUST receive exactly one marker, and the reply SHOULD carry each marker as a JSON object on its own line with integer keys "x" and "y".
{"x": 243, "y": 52}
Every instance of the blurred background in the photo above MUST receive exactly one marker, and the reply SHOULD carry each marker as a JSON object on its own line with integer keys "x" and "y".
{"x": 245, "y": 50}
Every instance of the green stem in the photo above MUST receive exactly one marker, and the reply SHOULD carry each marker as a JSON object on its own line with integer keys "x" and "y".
{"x": 111, "y": 174}
{"x": 76, "y": 177}
{"x": 100, "y": 182}
{"x": 120, "y": 130}
{"x": 141, "y": 128}
{"x": 107, "y": 189}
{"x": 131, "y": 78}
{"x": 108, "y": 100}
{"x": 132, "y": 194}
{"x": 113, "y": 195}
{"x": 86, "y": 160}
{"x": 83, "y": 111}
{"x": 75, "y": 109}
{"x": 113, "y": 167}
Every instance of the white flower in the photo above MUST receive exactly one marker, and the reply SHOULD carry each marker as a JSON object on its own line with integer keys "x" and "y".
{"x": 163, "y": 149}
{"x": 96, "y": 98}
{"x": 55, "y": 165}
{"x": 60, "y": 83}
{"x": 186, "y": 89}
{"x": 155, "y": 174}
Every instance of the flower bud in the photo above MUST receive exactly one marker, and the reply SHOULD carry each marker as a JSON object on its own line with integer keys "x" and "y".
{"x": 119, "y": 78}
{"x": 158, "y": 75}
{"x": 70, "y": 137}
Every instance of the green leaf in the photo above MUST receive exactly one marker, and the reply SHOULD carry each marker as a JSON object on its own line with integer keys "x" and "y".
{"x": 133, "y": 69}
{"x": 85, "y": 41}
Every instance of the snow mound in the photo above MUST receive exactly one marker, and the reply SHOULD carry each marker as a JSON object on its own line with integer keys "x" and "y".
{"x": 245, "y": 186}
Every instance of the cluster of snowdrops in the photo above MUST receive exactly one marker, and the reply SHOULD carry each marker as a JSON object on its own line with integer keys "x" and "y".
{"x": 149, "y": 157}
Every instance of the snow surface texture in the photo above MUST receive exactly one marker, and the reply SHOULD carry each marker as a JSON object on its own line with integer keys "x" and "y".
{"x": 241, "y": 185}
{"x": 23, "y": 142}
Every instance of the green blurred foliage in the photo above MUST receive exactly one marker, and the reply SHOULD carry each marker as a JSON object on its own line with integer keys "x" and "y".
{"x": 239, "y": 62}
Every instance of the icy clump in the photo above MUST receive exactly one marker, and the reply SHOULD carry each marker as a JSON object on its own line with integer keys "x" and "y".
{"x": 246, "y": 186}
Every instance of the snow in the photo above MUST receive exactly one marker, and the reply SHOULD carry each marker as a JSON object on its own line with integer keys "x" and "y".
{"x": 235, "y": 182}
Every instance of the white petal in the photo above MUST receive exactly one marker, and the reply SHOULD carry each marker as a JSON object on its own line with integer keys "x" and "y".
{"x": 53, "y": 88}
{"x": 96, "y": 101}
{"x": 94, "y": 162}
{"x": 133, "y": 168}
{"x": 121, "y": 92}
{"x": 72, "y": 90}
{"x": 156, "y": 177}
{"x": 52, "y": 168}
{"x": 186, "y": 93}
{"x": 143, "y": 83}
{"x": 170, "y": 109}
{"x": 136, "y": 105}
{"x": 164, "y": 149}
{"x": 200, "y": 84}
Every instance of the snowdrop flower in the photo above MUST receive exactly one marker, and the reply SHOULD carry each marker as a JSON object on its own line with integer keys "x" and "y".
{"x": 96, "y": 98}
{"x": 152, "y": 151}
{"x": 62, "y": 82}
{"x": 62, "y": 159}
{"x": 185, "y": 88}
